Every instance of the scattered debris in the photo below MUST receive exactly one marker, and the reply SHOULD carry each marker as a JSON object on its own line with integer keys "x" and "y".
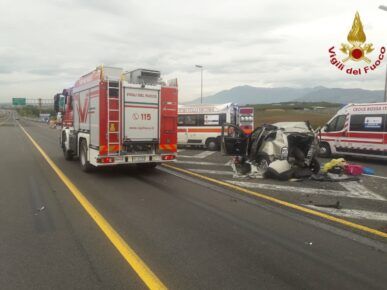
{"x": 332, "y": 177}
{"x": 334, "y": 165}
{"x": 42, "y": 208}
{"x": 368, "y": 171}
{"x": 353, "y": 169}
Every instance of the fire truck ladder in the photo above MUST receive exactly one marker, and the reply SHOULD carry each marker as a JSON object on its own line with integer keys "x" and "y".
{"x": 113, "y": 124}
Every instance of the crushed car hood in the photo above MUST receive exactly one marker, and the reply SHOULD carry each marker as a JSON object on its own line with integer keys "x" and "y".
{"x": 293, "y": 127}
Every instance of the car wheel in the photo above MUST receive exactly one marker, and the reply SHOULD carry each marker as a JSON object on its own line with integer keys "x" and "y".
{"x": 315, "y": 166}
{"x": 263, "y": 163}
{"x": 85, "y": 164}
{"x": 212, "y": 144}
{"x": 325, "y": 150}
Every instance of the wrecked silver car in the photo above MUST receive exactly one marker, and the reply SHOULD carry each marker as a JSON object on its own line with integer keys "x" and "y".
{"x": 281, "y": 150}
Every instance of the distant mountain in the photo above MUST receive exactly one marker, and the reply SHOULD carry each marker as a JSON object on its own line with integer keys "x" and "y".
{"x": 257, "y": 95}
{"x": 343, "y": 96}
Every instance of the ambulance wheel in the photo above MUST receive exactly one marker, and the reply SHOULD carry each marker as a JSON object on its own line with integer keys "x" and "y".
{"x": 85, "y": 165}
{"x": 325, "y": 150}
{"x": 212, "y": 144}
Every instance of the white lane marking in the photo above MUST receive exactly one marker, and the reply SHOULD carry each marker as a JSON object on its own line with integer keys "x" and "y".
{"x": 180, "y": 150}
{"x": 228, "y": 163}
{"x": 200, "y": 155}
{"x": 302, "y": 190}
{"x": 198, "y": 162}
{"x": 218, "y": 172}
{"x": 204, "y": 154}
{"x": 376, "y": 176}
{"x": 356, "y": 188}
{"x": 352, "y": 213}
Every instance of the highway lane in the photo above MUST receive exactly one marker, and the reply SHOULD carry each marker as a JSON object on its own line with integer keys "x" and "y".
{"x": 192, "y": 235}
{"x": 47, "y": 240}
{"x": 363, "y": 202}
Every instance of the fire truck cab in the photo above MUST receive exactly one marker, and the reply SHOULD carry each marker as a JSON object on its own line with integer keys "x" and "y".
{"x": 112, "y": 118}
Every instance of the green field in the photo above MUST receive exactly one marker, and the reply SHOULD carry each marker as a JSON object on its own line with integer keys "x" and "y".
{"x": 33, "y": 111}
{"x": 287, "y": 112}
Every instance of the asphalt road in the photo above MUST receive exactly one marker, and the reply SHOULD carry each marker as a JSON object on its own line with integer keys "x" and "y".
{"x": 363, "y": 201}
{"x": 190, "y": 233}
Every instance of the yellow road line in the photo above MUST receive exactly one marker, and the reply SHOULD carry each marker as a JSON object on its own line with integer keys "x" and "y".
{"x": 142, "y": 270}
{"x": 283, "y": 203}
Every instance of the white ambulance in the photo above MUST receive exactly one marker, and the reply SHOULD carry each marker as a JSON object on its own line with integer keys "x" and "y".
{"x": 356, "y": 130}
{"x": 201, "y": 124}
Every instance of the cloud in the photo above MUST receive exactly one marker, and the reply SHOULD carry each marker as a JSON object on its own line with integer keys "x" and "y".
{"x": 48, "y": 44}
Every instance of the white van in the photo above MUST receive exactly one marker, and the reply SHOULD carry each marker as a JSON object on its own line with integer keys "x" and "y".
{"x": 201, "y": 124}
{"x": 357, "y": 130}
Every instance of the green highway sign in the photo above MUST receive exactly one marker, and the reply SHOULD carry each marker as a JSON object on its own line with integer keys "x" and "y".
{"x": 62, "y": 102}
{"x": 18, "y": 101}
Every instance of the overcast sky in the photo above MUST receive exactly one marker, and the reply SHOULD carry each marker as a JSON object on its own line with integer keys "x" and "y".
{"x": 47, "y": 44}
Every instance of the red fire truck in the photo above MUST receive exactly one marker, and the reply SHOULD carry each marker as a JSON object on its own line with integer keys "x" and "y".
{"x": 111, "y": 117}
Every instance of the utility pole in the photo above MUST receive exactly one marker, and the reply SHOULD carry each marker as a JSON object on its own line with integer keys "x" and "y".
{"x": 385, "y": 87}
{"x": 384, "y": 8}
{"x": 40, "y": 105}
{"x": 201, "y": 82}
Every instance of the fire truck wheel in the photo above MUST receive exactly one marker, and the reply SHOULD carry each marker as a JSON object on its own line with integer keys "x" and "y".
{"x": 85, "y": 165}
{"x": 212, "y": 144}
{"x": 67, "y": 154}
{"x": 325, "y": 150}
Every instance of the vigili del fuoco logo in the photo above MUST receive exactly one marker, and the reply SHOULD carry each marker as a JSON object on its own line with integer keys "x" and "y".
{"x": 356, "y": 51}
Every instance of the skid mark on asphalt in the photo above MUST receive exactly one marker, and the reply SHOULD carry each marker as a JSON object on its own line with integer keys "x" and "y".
{"x": 358, "y": 189}
{"x": 302, "y": 190}
{"x": 352, "y": 213}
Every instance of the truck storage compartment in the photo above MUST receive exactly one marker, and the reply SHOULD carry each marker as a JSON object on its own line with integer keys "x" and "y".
{"x": 168, "y": 120}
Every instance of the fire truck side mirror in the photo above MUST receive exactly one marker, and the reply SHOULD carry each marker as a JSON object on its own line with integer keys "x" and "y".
{"x": 70, "y": 101}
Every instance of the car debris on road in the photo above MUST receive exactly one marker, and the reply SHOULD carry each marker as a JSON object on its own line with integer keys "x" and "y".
{"x": 281, "y": 151}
